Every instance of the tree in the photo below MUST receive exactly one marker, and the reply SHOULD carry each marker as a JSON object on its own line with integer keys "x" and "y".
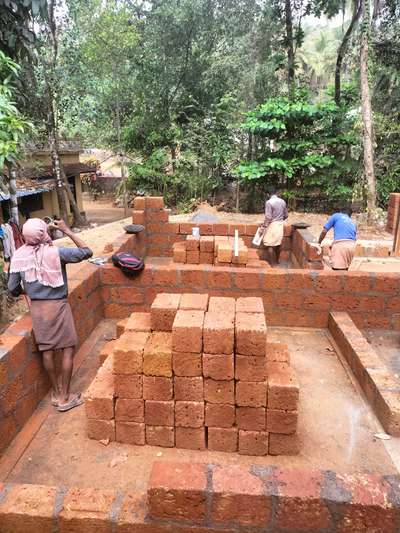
{"x": 343, "y": 48}
{"x": 290, "y": 48}
{"x": 298, "y": 147}
{"x": 48, "y": 72}
{"x": 13, "y": 130}
{"x": 16, "y": 22}
{"x": 369, "y": 170}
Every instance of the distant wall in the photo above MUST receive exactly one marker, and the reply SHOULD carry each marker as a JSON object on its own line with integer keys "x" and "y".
{"x": 393, "y": 212}
{"x": 160, "y": 234}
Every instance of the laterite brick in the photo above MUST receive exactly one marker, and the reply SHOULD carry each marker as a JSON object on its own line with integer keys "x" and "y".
{"x": 160, "y": 436}
{"x": 253, "y": 442}
{"x": 223, "y": 439}
{"x": 190, "y": 438}
{"x": 130, "y": 433}
{"x": 187, "y": 331}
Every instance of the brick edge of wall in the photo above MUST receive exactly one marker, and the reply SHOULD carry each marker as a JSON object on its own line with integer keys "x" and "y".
{"x": 379, "y": 386}
{"x": 393, "y": 212}
{"x": 190, "y": 497}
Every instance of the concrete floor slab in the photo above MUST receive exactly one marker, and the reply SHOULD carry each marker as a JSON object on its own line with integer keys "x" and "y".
{"x": 386, "y": 343}
{"x": 336, "y": 428}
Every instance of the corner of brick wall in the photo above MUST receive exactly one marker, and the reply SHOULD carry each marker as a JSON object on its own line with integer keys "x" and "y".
{"x": 379, "y": 386}
{"x": 304, "y": 255}
{"x": 393, "y": 212}
{"x": 23, "y": 381}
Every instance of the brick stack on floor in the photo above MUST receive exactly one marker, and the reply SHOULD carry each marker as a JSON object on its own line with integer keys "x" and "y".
{"x": 216, "y": 250}
{"x": 196, "y": 372}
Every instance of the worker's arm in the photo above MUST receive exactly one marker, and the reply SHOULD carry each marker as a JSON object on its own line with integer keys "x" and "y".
{"x": 322, "y": 236}
{"x": 14, "y": 284}
{"x": 285, "y": 215}
{"x": 268, "y": 215}
{"x": 61, "y": 225}
{"x": 330, "y": 223}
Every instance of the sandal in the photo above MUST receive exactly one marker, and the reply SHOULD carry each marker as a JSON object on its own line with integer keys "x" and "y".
{"x": 74, "y": 402}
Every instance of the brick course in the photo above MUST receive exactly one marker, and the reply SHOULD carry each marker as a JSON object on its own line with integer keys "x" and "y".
{"x": 200, "y": 498}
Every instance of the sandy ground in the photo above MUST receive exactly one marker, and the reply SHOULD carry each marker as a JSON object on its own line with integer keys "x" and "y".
{"x": 97, "y": 238}
{"x": 101, "y": 211}
{"x": 336, "y": 428}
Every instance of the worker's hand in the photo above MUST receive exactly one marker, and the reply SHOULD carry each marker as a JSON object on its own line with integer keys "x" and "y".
{"x": 318, "y": 247}
{"x": 60, "y": 225}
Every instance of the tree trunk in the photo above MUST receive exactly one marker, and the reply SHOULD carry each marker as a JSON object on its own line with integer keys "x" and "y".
{"x": 343, "y": 48}
{"x": 55, "y": 159}
{"x": 78, "y": 218}
{"x": 250, "y": 147}
{"x": 369, "y": 171}
{"x": 290, "y": 48}
{"x": 58, "y": 172}
{"x": 12, "y": 186}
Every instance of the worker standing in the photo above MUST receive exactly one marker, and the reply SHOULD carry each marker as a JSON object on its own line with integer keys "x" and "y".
{"x": 40, "y": 266}
{"x": 344, "y": 238}
{"x": 275, "y": 215}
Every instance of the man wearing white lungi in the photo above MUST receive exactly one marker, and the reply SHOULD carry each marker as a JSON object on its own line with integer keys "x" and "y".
{"x": 275, "y": 215}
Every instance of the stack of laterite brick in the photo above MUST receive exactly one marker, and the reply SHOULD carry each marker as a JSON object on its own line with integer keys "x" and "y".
{"x": 197, "y": 372}
{"x": 215, "y": 250}
{"x": 150, "y": 212}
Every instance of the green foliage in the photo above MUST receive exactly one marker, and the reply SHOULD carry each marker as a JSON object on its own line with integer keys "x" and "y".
{"x": 13, "y": 127}
{"x": 387, "y": 133}
{"x": 300, "y": 146}
{"x": 168, "y": 82}
{"x": 16, "y": 21}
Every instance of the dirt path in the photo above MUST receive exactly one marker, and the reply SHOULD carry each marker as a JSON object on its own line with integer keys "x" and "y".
{"x": 97, "y": 238}
{"x": 101, "y": 211}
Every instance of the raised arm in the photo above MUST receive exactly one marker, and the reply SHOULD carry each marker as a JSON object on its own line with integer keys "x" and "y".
{"x": 61, "y": 225}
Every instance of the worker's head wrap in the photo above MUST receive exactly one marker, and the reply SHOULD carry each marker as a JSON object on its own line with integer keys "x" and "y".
{"x": 38, "y": 258}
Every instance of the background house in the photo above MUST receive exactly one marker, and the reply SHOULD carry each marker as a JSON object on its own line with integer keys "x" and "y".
{"x": 36, "y": 192}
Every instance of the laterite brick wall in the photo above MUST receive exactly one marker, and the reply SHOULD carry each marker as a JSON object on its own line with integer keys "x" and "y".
{"x": 393, "y": 212}
{"x": 160, "y": 234}
{"x": 379, "y": 385}
{"x": 200, "y": 498}
{"x": 304, "y": 255}
{"x": 291, "y": 297}
{"x": 23, "y": 381}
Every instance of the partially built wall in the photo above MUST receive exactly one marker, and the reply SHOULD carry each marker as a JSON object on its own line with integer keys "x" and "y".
{"x": 308, "y": 296}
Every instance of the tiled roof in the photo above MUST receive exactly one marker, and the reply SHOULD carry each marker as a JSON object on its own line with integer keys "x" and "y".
{"x": 70, "y": 169}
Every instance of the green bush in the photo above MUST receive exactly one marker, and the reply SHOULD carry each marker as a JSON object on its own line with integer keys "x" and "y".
{"x": 302, "y": 147}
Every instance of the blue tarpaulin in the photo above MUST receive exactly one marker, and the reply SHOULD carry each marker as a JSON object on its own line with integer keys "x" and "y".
{"x": 5, "y": 197}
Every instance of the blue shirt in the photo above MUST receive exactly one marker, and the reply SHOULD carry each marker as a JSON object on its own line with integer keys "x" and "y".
{"x": 343, "y": 227}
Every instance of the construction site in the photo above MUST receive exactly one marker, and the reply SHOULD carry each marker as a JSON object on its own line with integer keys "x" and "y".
{"x": 221, "y": 394}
